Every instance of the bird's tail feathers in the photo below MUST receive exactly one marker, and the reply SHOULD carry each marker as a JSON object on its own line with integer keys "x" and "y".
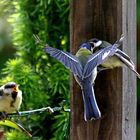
{"x": 91, "y": 110}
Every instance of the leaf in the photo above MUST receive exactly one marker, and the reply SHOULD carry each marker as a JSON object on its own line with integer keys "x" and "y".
{"x": 15, "y": 125}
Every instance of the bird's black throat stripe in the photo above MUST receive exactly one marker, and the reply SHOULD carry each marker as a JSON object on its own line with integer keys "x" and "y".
{"x": 14, "y": 95}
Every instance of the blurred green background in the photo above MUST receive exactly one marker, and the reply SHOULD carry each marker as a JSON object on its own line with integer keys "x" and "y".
{"x": 23, "y": 61}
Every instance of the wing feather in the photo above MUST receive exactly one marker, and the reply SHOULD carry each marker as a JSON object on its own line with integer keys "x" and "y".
{"x": 67, "y": 59}
{"x": 98, "y": 58}
{"x": 127, "y": 61}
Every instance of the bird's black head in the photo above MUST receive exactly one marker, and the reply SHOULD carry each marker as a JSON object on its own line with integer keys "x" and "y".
{"x": 86, "y": 45}
{"x": 95, "y": 40}
{"x": 10, "y": 85}
{"x": 11, "y": 88}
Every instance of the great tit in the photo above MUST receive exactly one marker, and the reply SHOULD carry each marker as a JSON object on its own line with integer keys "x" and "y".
{"x": 117, "y": 60}
{"x": 10, "y": 98}
{"x": 84, "y": 67}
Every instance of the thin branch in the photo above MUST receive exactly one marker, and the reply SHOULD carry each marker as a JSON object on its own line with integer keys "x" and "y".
{"x": 37, "y": 39}
{"x": 38, "y": 111}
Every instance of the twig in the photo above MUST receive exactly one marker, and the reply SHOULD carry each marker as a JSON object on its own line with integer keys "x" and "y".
{"x": 37, "y": 111}
{"x": 37, "y": 39}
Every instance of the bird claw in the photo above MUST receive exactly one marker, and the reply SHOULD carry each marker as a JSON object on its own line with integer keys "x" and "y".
{"x": 18, "y": 112}
{"x": 3, "y": 116}
{"x": 50, "y": 110}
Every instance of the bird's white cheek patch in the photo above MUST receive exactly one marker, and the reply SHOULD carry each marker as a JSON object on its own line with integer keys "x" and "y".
{"x": 98, "y": 43}
{"x": 105, "y": 55}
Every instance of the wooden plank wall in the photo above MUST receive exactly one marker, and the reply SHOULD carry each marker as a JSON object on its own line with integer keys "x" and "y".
{"x": 115, "y": 89}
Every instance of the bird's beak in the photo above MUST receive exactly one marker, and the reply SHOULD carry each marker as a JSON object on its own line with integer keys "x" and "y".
{"x": 16, "y": 89}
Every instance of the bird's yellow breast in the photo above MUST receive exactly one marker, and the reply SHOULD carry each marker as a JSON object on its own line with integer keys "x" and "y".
{"x": 83, "y": 55}
{"x": 83, "y": 52}
{"x": 112, "y": 62}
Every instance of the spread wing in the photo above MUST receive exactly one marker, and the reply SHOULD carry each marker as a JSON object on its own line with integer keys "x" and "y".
{"x": 98, "y": 58}
{"x": 127, "y": 61}
{"x": 67, "y": 59}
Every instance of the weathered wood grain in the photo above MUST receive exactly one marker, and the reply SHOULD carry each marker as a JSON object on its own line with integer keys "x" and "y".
{"x": 115, "y": 89}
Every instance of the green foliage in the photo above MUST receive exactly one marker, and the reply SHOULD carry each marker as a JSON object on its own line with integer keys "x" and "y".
{"x": 138, "y": 11}
{"x": 58, "y": 83}
{"x": 4, "y": 27}
{"x": 16, "y": 126}
{"x": 44, "y": 81}
{"x": 16, "y": 135}
{"x": 62, "y": 125}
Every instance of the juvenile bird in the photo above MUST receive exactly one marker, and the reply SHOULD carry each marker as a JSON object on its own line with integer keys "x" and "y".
{"x": 119, "y": 59}
{"x": 10, "y": 98}
{"x": 84, "y": 67}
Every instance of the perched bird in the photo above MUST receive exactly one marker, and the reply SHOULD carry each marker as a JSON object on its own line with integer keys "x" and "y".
{"x": 119, "y": 59}
{"x": 10, "y": 102}
{"x": 84, "y": 67}
{"x": 10, "y": 98}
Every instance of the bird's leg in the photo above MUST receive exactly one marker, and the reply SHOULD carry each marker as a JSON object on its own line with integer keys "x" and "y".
{"x": 17, "y": 112}
{"x": 3, "y": 116}
{"x": 18, "y": 117}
